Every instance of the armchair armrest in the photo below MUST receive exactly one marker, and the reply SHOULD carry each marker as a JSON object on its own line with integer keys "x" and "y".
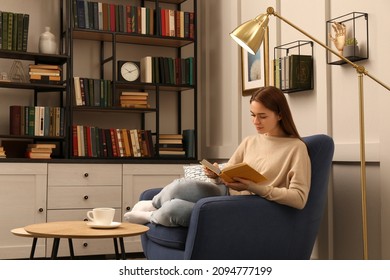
{"x": 244, "y": 227}
{"x": 149, "y": 194}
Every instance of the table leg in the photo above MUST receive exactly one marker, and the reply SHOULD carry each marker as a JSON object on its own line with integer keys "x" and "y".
{"x": 34, "y": 245}
{"x": 71, "y": 251}
{"x": 54, "y": 252}
{"x": 116, "y": 249}
{"x": 122, "y": 248}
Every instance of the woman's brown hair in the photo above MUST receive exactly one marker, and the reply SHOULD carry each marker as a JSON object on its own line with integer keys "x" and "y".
{"x": 274, "y": 99}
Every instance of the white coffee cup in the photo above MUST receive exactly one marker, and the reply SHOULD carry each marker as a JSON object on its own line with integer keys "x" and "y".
{"x": 101, "y": 216}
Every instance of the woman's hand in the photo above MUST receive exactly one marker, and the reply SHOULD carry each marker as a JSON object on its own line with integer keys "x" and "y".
{"x": 239, "y": 184}
{"x": 210, "y": 174}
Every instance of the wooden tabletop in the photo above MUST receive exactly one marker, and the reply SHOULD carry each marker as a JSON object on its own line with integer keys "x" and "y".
{"x": 80, "y": 229}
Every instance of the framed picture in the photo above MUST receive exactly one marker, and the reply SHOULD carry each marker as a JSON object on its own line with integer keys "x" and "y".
{"x": 254, "y": 70}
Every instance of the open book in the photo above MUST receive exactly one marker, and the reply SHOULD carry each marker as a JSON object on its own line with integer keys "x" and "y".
{"x": 241, "y": 170}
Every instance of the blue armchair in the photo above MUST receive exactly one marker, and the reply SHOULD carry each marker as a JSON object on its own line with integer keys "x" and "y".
{"x": 247, "y": 227}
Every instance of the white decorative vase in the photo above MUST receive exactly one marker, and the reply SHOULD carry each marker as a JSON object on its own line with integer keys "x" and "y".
{"x": 47, "y": 42}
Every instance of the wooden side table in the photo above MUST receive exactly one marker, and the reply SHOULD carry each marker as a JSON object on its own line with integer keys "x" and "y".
{"x": 80, "y": 229}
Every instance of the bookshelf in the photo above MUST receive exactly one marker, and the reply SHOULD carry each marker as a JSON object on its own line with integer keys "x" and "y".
{"x": 293, "y": 66}
{"x": 130, "y": 31}
{"x": 23, "y": 118}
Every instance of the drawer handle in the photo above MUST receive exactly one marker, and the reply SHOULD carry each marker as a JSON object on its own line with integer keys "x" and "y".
{"x": 86, "y": 220}
{"x": 86, "y": 174}
{"x": 128, "y": 208}
{"x": 40, "y": 210}
{"x": 86, "y": 197}
{"x": 85, "y": 244}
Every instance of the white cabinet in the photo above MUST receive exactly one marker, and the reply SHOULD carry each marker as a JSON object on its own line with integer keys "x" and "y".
{"x": 140, "y": 177}
{"x": 74, "y": 189}
{"x": 22, "y": 202}
{"x": 39, "y": 192}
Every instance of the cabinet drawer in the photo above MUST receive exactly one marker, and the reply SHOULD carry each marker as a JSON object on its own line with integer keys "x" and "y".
{"x": 84, "y": 174}
{"x": 84, "y": 197}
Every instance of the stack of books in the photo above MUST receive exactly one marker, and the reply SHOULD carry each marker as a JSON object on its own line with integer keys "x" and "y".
{"x": 40, "y": 151}
{"x": 134, "y": 100}
{"x": 2, "y": 152}
{"x": 44, "y": 73}
{"x": 171, "y": 145}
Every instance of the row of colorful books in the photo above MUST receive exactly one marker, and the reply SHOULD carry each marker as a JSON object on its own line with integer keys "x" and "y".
{"x": 14, "y": 31}
{"x": 92, "y": 92}
{"x": 113, "y": 17}
{"x": 89, "y": 141}
{"x": 293, "y": 72}
{"x": 167, "y": 70}
{"x": 132, "y": 19}
{"x": 36, "y": 120}
{"x": 175, "y": 23}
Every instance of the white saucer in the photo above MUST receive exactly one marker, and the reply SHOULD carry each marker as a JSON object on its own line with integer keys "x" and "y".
{"x": 112, "y": 225}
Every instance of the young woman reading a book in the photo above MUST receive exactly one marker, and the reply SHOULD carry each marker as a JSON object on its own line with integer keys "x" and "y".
{"x": 276, "y": 151}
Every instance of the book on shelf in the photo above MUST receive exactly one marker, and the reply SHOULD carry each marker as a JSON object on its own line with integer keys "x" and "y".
{"x": 170, "y": 141}
{"x": 189, "y": 142}
{"x": 172, "y": 153}
{"x": 170, "y": 136}
{"x": 2, "y": 152}
{"x": 45, "y": 66}
{"x": 241, "y": 170}
{"x": 293, "y": 72}
{"x": 113, "y": 17}
{"x": 135, "y": 93}
{"x": 134, "y": 100}
{"x": 14, "y": 31}
{"x": 42, "y": 145}
{"x": 92, "y": 92}
{"x": 171, "y": 145}
{"x": 36, "y": 120}
{"x": 146, "y": 69}
{"x": 94, "y": 142}
{"x": 300, "y": 71}
{"x": 40, "y": 150}
{"x": 167, "y": 70}
{"x": 36, "y": 155}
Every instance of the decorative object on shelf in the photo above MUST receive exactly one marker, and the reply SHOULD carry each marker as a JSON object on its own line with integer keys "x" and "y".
{"x": 17, "y": 74}
{"x": 129, "y": 71}
{"x": 47, "y": 42}
{"x": 344, "y": 33}
{"x": 351, "y": 49}
{"x": 248, "y": 35}
{"x": 4, "y": 77}
{"x": 339, "y": 37}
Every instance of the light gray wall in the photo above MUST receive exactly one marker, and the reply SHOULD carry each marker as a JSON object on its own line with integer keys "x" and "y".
{"x": 330, "y": 108}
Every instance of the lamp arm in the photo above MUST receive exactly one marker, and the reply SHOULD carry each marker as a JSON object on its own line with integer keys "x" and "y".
{"x": 359, "y": 68}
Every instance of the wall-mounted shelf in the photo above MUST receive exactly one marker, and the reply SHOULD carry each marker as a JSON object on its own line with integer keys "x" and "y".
{"x": 293, "y": 66}
{"x": 355, "y": 27}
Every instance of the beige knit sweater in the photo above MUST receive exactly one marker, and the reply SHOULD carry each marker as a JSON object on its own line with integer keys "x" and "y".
{"x": 283, "y": 161}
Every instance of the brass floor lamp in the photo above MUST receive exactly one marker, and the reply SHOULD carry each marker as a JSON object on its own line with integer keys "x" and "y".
{"x": 249, "y": 36}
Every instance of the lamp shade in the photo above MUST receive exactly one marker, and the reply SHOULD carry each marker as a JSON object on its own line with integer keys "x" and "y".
{"x": 250, "y": 34}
